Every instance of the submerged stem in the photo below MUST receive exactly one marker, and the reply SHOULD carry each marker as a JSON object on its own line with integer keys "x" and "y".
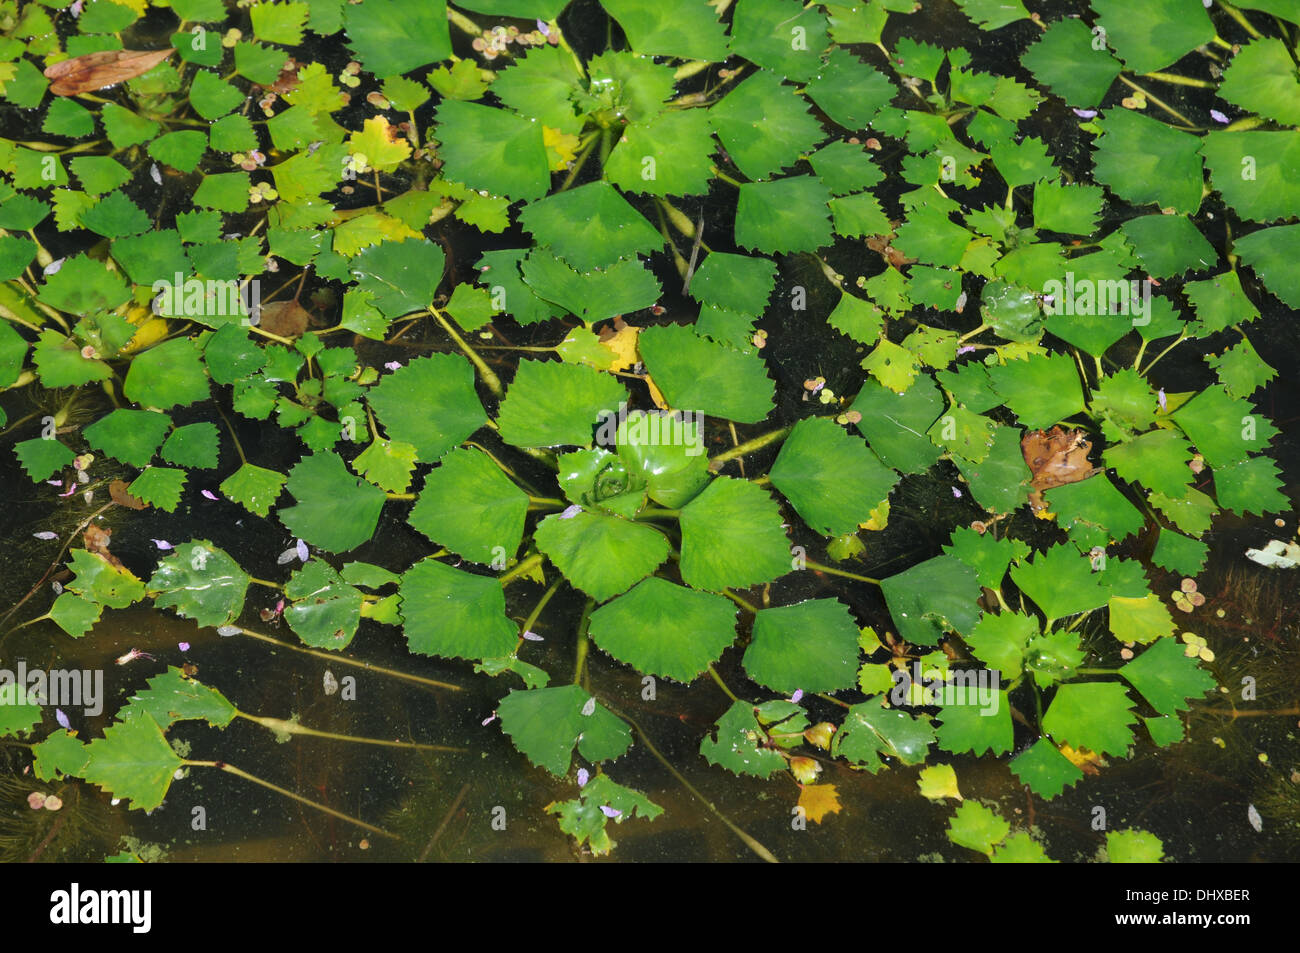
{"x": 812, "y": 564}
{"x": 287, "y": 727}
{"x": 344, "y": 660}
{"x": 489, "y": 376}
{"x": 748, "y": 447}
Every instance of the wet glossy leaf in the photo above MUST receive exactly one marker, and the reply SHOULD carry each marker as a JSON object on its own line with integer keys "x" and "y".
{"x": 1060, "y": 581}
{"x": 733, "y": 744}
{"x": 553, "y": 404}
{"x": 687, "y": 30}
{"x": 74, "y": 615}
{"x": 1250, "y": 486}
{"x": 324, "y": 611}
{"x": 850, "y": 91}
{"x": 601, "y": 555}
{"x": 1045, "y": 770}
{"x": 666, "y": 155}
{"x": 871, "y": 732}
{"x": 201, "y": 582}
{"x": 171, "y": 697}
{"x": 764, "y": 125}
{"x": 1144, "y": 160}
{"x": 1000, "y": 640}
{"x": 1155, "y": 34}
{"x": 453, "y": 613}
{"x": 595, "y": 295}
{"x": 256, "y": 488}
{"x": 333, "y": 509}
{"x": 1142, "y": 620}
{"x": 469, "y": 506}
{"x": 674, "y": 470}
{"x": 159, "y": 486}
{"x": 132, "y": 760}
{"x": 832, "y": 480}
{"x": 665, "y": 630}
{"x": 789, "y": 215}
{"x": 932, "y": 597}
{"x": 895, "y": 424}
{"x": 397, "y": 36}
{"x": 732, "y": 537}
{"x": 490, "y": 149}
{"x": 1064, "y": 61}
{"x": 981, "y": 725}
{"x": 547, "y": 723}
{"x": 1262, "y": 79}
{"x": 781, "y": 35}
{"x": 811, "y": 645}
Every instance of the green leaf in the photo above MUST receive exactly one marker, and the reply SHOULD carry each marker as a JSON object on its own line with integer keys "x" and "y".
{"x": 844, "y": 168}
{"x": 387, "y": 464}
{"x": 811, "y": 645}
{"x": 167, "y": 375}
{"x": 83, "y": 286}
{"x": 1166, "y": 677}
{"x": 595, "y": 295}
{"x": 764, "y": 125}
{"x": 1144, "y": 160}
{"x": 1179, "y": 554}
{"x": 673, "y": 470}
{"x": 1060, "y": 581}
{"x": 201, "y": 582}
{"x": 1133, "y": 847}
{"x": 280, "y": 22}
{"x": 130, "y": 436}
{"x": 1252, "y": 170}
{"x": 334, "y": 510}
{"x": 471, "y": 507}
{"x": 1169, "y": 245}
{"x": 401, "y": 276}
{"x": 1262, "y": 79}
{"x": 585, "y": 819}
{"x": 226, "y": 192}
{"x": 133, "y": 760}
{"x": 993, "y": 14}
{"x": 59, "y": 755}
{"x": 590, "y": 227}
{"x": 696, "y": 374}
{"x": 1000, "y": 640}
{"x": 832, "y": 480}
{"x": 100, "y": 174}
{"x": 1041, "y": 390}
{"x": 1092, "y": 715}
{"x": 232, "y": 134}
{"x": 1045, "y": 770}
{"x": 1155, "y": 34}
{"x": 1020, "y": 848}
{"x": 977, "y": 827}
{"x": 665, "y": 630}
{"x": 1240, "y": 368}
{"x": 1157, "y": 459}
{"x": 1271, "y": 253}
{"x": 789, "y": 215}
{"x": 212, "y": 97}
{"x": 171, "y": 697}
{"x": 74, "y": 615}
{"x": 686, "y": 30}
{"x": 546, "y": 723}
{"x": 870, "y": 731}
{"x": 895, "y": 424}
{"x": 733, "y": 744}
{"x": 932, "y": 597}
{"x": 601, "y": 555}
{"x": 1065, "y": 61}
{"x": 430, "y": 403}
{"x": 850, "y": 91}
{"x": 125, "y": 128}
{"x": 989, "y": 557}
{"x": 471, "y": 307}
{"x": 160, "y": 487}
{"x": 455, "y": 614}
{"x": 998, "y": 482}
{"x": 1070, "y": 209}
{"x": 254, "y": 487}
{"x": 194, "y": 445}
{"x": 1095, "y": 502}
{"x": 66, "y": 118}
{"x": 666, "y": 155}
{"x": 1140, "y": 620}
{"x": 42, "y": 458}
{"x": 324, "y": 611}
{"x": 491, "y": 149}
{"x": 1224, "y": 429}
{"x": 736, "y": 282}
{"x": 397, "y": 36}
{"x": 930, "y": 237}
{"x": 1251, "y": 486}
{"x": 732, "y": 537}
{"x": 552, "y": 404}
{"x": 781, "y": 35}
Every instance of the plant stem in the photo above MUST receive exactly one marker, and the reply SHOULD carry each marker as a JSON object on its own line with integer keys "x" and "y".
{"x": 740, "y": 601}
{"x": 749, "y": 842}
{"x": 231, "y": 430}
{"x": 546, "y": 502}
{"x": 1159, "y": 102}
{"x": 521, "y": 568}
{"x": 1178, "y": 340}
{"x": 264, "y": 582}
{"x": 721, "y": 684}
{"x": 748, "y": 447}
{"x": 537, "y": 611}
{"x": 446, "y": 818}
{"x": 231, "y": 769}
{"x": 812, "y": 564}
{"x": 489, "y": 376}
{"x": 580, "y": 656}
{"x": 284, "y": 726}
{"x": 344, "y": 660}
{"x": 1237, "y": 15}
{"x": 832, "y": 698}
{"x": 1176, "y": 80}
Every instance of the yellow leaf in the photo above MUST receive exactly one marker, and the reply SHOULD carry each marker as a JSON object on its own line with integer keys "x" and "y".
{"x": 818, "y": 800}
{"x": 878, "y": 518}
{"x": 1082, "y": 758}
{"x": 561, "y": 147}
{"x": 939, "y": 781}
{"x": 623, "y": 343}
{"x": 383, "y": 145}
{"x": 370, "y": 229}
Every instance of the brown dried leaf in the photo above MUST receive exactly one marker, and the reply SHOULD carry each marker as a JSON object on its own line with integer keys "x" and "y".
{"x": 818, "y": 800}
{"x": 92, "y": 71}
{"x": 285, "y": 318}
{"x": 117, "y": 490}
{"x": 97, "y": 540}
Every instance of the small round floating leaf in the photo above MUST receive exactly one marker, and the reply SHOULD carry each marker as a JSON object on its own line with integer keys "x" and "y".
{"x": 812, "y": 645}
